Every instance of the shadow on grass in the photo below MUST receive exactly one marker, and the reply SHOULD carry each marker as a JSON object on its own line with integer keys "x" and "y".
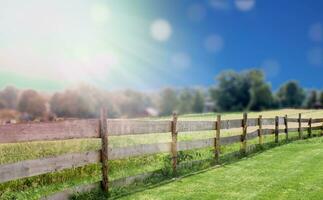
{"x": 185, "y": 169}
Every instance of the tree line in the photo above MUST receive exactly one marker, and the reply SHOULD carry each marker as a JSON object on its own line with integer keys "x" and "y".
{"x": 233, "y": 91}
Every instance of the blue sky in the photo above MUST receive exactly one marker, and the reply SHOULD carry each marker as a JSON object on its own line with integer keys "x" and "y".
{"x": 153, "y": 44}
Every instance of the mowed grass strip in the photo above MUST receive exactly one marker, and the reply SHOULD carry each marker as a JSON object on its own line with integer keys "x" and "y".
{"x": 292, "y": 171}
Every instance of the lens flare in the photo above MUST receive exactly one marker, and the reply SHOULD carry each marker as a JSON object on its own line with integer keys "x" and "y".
{"x": 161, "y": 30}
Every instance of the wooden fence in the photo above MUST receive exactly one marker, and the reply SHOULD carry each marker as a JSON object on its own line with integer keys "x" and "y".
{"x": 103, "y": 128}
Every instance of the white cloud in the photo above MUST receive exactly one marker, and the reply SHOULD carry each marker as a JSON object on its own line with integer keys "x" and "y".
{"x": 161, "y": 30}
{"x": 271, "y": 68}
{"x": 315, "y": 56}
{"x": 245, "y": 5}
{"x": 316, "y": 32}
{"x": 214, "y": 43}
{"x": 181, "y": 60}
{"x": 196, "y": 12}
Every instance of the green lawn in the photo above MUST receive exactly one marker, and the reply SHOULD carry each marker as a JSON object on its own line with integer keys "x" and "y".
{"x": 35, "y": 187}
{"x": 292, "y": 171}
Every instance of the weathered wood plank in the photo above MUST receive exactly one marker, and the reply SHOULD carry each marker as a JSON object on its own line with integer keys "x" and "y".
{"x": 191, "y": 126}
{"x": 234, "y": 123}
{"x": 132, "y": 127}
{"x": 243, "y": 146}
{"x": 195, "y": 144}
{"x": 260, "y": 133}
{"x": 137, "y": 150}
{"x": 286, "y": 126}
{"x": 104, "y": 150}
{"x": 36, "y": 167}
{"x": 230, "y": 139}
{"x": 296, "y": 120}
{"x": 252, "y": 122}
{"x": 268, "y": 121}
{"x": 281, "y": 120}
{"x": 174, "y": 143}
{"x": 309, "y": 131}
{"x": 217, "y": 142}
{"x": 300, "y": 132}
{"x": 318, "y": 120}
{"x": 60, "y": 130}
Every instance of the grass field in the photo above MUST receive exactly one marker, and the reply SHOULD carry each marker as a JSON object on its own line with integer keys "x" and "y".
{"x": 35, "y": 187}
{"x": 292, "y": 171}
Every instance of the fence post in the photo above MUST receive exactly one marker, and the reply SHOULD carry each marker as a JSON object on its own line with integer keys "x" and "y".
{"x": 243, "y": 148}
{"x": 276, "y": 128}
{"x": 174, "y": 144}
{"x": 300, "y": 134}
{"x": 217, "y": 143}
{"x": 309, "y": 130}
{"x": 260, "y": 135}
{"x": 104, "y": 150}
{"x": 286, "y": 126}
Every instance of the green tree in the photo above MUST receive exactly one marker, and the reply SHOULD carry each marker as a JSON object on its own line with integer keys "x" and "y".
{"x": 9, "y": 97}
{"x": 32, "y": 103}
{"x": 168, "y": 101}
{"x": 311, "y": 99}
{"x": 198, "y": 104}
{"x": 231, "y": 92}
{"x": 321, "y": 98}
{"x": 261, "y": 96}
{"x": 186, "y": 100}
{"x": 291, "y": 95}
{"x": 239, "y": 91}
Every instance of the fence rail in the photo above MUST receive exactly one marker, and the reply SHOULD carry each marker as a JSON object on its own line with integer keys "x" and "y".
{"x": 103, "y": 128}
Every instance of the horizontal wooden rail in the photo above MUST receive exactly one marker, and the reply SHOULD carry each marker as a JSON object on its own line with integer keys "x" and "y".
{"x": 30, "y": 168}
{"x": 195, "y": 144}
{"x": 234, "y": 123}
{"x": 304, "y": 120}
{"x": 74, "y": 129}
{"x": 191, "y": 126}
{"x": 131, "y": 127}
{"x": 268, "y": 121}
{"x": 42, "y": 131}
{"x": 137, "y": 150}
{"x": 318, "y": 120}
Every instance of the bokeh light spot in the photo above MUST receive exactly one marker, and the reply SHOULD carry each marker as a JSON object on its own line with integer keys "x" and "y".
{"x": 161, "y": 30}
{"x": 214, "y": 43}
{"x": 245, "y": 5}
{"x": 316, "y": 32}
